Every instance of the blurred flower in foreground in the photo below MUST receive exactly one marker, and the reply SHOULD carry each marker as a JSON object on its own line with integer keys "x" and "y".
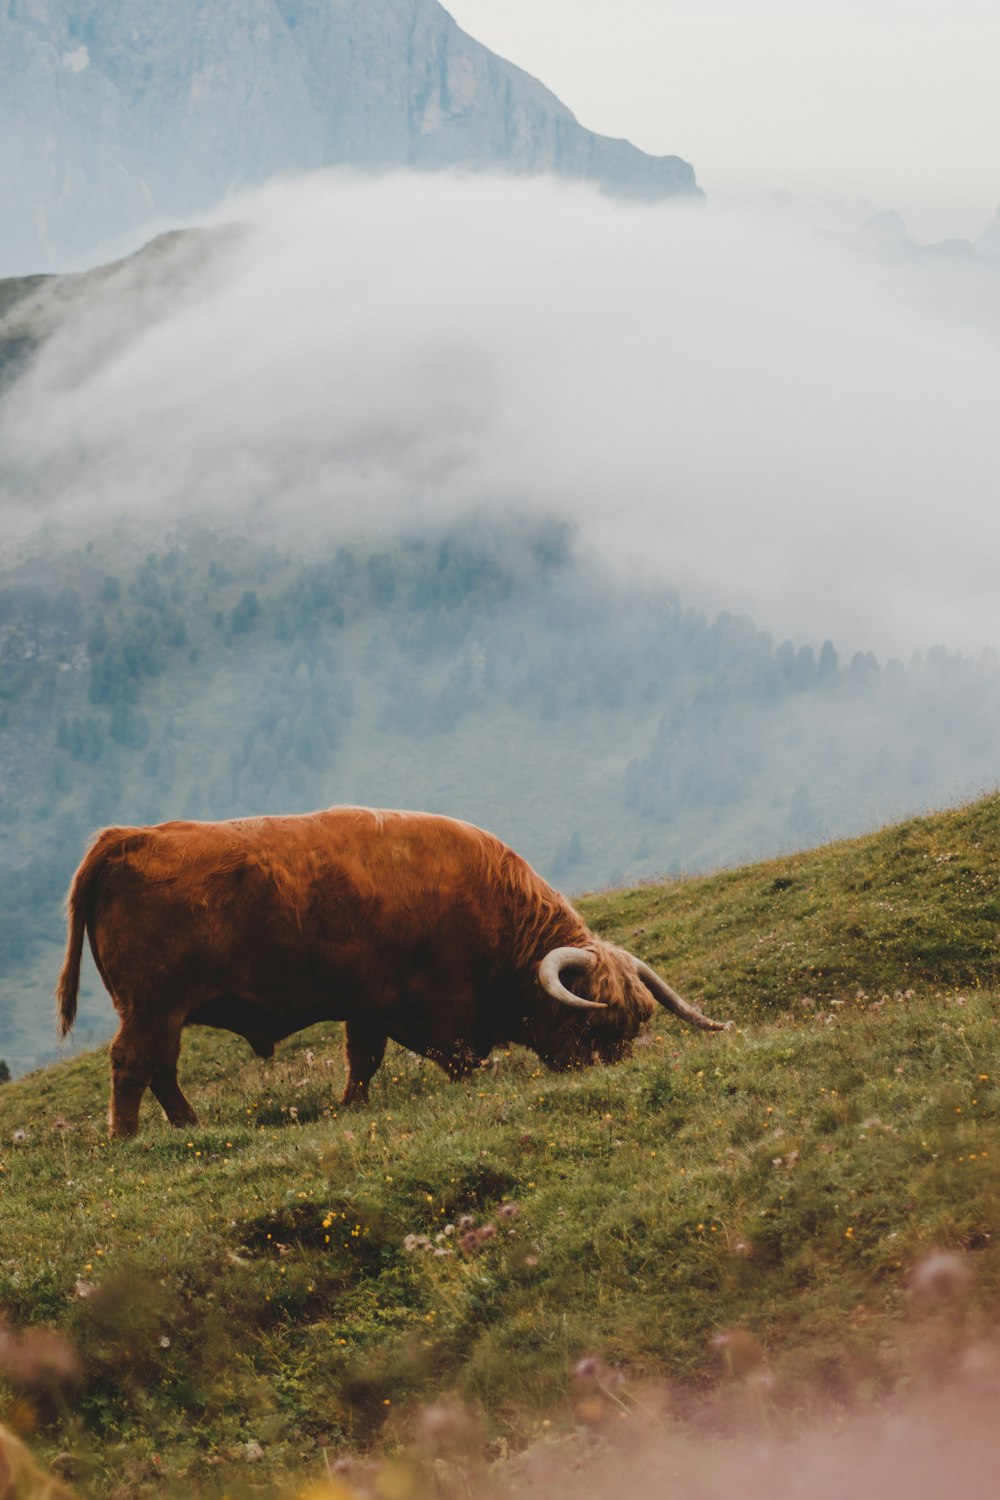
{"x": 328, "y": 1489}
{"x": 443, "y": 1426}
{"x": 20, "y": 1476}
{"x": 739, "y": 1351}
{"x": 38, "y": 1360}
{"x": 939, "y": 1277}
{"x": 595, "y": 1383}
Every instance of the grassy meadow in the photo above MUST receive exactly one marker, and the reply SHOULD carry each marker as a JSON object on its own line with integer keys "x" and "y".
{"x": 237, "y": 1308}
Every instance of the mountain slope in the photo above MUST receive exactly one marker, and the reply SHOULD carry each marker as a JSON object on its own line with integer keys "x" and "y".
{"x": 114, "y": 113}
{"x": 256, "y": 1278}
{"x": 862, "y": 921}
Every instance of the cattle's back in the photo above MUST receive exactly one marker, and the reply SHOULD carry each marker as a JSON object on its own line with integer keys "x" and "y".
{"x": 383, "y": 870}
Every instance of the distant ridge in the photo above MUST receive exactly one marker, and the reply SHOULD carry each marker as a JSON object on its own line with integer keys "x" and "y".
{"x": 115, "y": 113}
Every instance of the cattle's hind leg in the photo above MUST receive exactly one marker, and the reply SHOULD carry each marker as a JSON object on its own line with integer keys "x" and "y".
{"x": 166, "y": 1088}
{"x": 365, "y": 1049}
{"x": 144, "y": 1055}
{"x": 131, "y": 1075}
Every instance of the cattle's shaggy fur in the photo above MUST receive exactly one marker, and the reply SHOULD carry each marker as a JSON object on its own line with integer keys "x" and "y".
{"x": 407, "y": 926}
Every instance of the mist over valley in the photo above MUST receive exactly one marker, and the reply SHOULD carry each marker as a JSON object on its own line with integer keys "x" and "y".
{"x": 762, "y": 418}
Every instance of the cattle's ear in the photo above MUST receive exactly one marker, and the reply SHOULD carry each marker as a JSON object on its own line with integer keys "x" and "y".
{"x": 550, "y": 970}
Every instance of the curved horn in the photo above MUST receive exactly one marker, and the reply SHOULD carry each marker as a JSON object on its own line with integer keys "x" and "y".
{"x": 566, "y": 958}
{"x": 660, "y": 990}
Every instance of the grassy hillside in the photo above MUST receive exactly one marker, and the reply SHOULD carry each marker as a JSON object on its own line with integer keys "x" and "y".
{"x": 241, "y": 1303}
{"x": 917, "y": 905}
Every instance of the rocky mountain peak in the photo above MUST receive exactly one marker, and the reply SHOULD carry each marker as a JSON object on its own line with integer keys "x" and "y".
{"x": 117, "y": 113}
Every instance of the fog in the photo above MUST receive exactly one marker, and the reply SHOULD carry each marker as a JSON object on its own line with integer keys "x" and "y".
{"x": 764, "y": 418}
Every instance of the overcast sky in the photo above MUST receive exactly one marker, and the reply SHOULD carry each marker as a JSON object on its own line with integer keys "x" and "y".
{"x": 894, "y": 101}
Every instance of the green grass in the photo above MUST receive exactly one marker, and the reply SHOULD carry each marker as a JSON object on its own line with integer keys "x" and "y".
{"x": 250, "y": 1278}
{"x": 916, "y": 905}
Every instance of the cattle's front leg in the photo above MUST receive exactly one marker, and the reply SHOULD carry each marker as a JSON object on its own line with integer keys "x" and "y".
{"x": 262, "y": 1045}
{"x": 364, "y": 1046}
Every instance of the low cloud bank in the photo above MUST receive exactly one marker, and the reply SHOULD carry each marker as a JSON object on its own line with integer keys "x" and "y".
{"x": 757, "y": 416}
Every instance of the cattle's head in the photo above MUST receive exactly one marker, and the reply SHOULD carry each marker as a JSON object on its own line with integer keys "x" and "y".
{"x": 606, "y": 996}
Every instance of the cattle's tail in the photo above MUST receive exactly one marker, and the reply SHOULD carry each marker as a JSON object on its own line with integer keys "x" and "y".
{"x": 78, "y": 912}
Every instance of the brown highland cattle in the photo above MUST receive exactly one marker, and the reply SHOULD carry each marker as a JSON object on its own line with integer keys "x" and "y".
{"x": 403, "y": 925}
